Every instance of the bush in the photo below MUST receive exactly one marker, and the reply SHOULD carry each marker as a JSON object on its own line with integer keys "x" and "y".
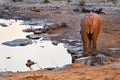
{"x": 68, "y": 1}
{"x": 81, "y": 3}
{"x": 46, "y": 1}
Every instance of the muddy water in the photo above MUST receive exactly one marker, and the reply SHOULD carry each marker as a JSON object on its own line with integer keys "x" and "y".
{"x": 43, "y": 53}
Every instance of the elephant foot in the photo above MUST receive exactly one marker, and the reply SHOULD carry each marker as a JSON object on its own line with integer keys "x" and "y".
{"x": 85, "y": 55}
{"x": 94, "y": 54}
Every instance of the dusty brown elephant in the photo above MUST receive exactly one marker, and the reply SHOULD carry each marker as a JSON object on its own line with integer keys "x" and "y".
{"x": 90, "y": 28}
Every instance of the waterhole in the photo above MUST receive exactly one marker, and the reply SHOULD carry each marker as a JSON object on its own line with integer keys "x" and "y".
{"x": 42, "y": 52}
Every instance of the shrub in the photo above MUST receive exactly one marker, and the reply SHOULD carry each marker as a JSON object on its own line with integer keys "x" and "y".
{"x": 46, "y": 1}
{"x": 81, "y": 3}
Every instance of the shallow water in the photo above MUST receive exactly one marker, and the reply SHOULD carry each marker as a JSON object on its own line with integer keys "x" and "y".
{"x": 44, "y": 53}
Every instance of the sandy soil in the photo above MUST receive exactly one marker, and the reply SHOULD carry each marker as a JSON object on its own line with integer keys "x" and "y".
{"x": 68, "y": 73}
{"x": 109, "y": 38}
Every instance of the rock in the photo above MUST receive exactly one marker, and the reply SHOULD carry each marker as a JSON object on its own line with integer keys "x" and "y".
{"x": 49, "y": 22}
{"x": 27, "y": 30}
{"x": 74, "y": 50}
{"x": 76, "y": 56}
{"x": 54, "y": 27}
{"x": 4, "y": 16}
{"x": 50, "y": 68}
{"x": 79, "y": 53}
{"x": 6, "y": 10}
{"x": 92, "y": 60}
{"x": 38, "y": 31}
{"x": 75, "y": 42}
{"x": 117, "y": 11}
{"x": 46, "y": 38}
{"x": 66, "y": 45}
{"x": 92, "y": 9}
{"x": 84, "y": 60}
{"x": 3, "y": 25}
{"x": 36, "y": 22}
{"x": 57, "y": 7}
{"x": 39, "y": 27}
{"x": 34, "y": 30}
{"x": 45, "y": 26}
{"x": 2, "y": 9}
{"x": 36, "y": 10}
{"x": 55, "y": 42}
{"x": 18, "y": 42}
{"x": 8, "y": 57}
{"x": 113, "y": 49}
{"x": 73, "y": 46}
{"x": 71, "y": 43}
{"x": 62, "y": 24}
{"x": 76, "y": 10}
{"x": 33, "y": 36}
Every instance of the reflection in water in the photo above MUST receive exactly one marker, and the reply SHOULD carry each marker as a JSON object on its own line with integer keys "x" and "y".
{"x": 43, "y": 53}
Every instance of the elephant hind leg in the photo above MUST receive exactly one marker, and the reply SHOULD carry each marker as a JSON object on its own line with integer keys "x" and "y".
{"x": 85, "y": 44}
{"x": 90, "y": 42}
{"x": 94, "y": 44}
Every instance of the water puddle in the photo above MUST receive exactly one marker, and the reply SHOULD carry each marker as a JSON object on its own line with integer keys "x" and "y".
{"x": 42, "y": 52}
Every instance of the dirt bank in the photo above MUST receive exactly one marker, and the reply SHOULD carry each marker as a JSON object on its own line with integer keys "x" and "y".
{"x": 68, "y": 73}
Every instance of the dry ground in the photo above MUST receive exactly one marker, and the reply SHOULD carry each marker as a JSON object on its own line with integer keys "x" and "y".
{"x": 108, "y": 38}
{"x": 69, "y": 73}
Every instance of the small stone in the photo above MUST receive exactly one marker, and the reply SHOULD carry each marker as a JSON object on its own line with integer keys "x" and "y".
{"x": 77, "y": 65}
{"x": 8, "y": 57}
{"x": 55, "y": 42}
{"x": 114, "y": 49}
{"x": 76, "y": 10}
{"x": 33, "y": 36}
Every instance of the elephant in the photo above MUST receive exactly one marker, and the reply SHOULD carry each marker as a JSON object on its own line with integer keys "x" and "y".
{"x": 91, "y": 25}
